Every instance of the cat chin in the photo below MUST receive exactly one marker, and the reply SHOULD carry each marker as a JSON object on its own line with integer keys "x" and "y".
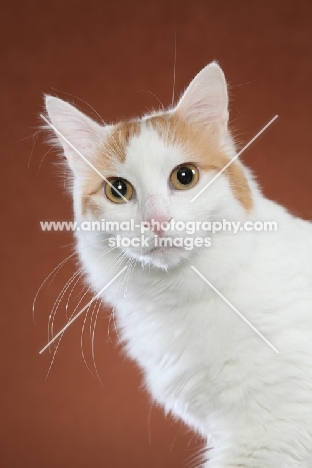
{"x": 163, "y": 258}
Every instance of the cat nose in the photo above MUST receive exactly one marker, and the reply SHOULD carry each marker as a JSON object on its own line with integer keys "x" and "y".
{"x": 158, "y": 224}
{"x": 156, "y": 213}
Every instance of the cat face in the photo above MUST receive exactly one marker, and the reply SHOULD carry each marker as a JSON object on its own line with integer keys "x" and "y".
{"x": 144, "y": 173}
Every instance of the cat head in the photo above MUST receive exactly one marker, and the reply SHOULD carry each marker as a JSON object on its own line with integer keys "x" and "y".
{"x": 148, "y": 170}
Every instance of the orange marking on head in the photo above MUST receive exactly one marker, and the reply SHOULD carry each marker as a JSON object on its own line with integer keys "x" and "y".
{"x": 119, "y": 138}
{"x": 204, "y": 147}
{"x": 110, "y": 154}
{"x": 202, "y": 144}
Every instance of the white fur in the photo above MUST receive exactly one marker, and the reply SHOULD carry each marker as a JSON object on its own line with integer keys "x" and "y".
{"x": 200, "y": 360}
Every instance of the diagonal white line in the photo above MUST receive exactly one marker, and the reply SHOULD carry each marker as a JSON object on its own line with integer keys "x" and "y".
{"x": 233, "y": 159}
{"x": 235, "y": 310}
{"x": 81, "y": 155}
{"x": 82, "y": 310}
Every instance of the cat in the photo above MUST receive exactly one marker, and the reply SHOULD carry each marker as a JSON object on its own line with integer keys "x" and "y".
{"x": 252, "y": 402}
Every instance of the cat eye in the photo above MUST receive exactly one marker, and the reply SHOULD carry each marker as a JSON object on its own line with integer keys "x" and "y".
{"x": 184, "y": 176}
{"x": 119, "y": 187}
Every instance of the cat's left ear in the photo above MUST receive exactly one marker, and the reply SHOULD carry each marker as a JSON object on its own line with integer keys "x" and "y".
{"x": 205, "y": 100}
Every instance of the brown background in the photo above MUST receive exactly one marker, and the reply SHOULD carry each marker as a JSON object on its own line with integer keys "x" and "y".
{"x": 106, "y": 53}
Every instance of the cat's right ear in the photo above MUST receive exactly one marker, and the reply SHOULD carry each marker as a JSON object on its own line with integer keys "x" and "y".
{"x": 205, "y": 100}
{"x": 76, "y": 133}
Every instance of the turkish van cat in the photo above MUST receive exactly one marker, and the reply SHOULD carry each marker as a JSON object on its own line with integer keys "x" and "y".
{"x": 219, "y": 321}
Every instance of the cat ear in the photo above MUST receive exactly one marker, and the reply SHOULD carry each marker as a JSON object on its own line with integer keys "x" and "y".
{"x": 205, "y": 100}
{"x": 83, "y": 133}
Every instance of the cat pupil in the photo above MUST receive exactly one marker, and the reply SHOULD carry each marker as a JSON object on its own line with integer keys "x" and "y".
{"x": 121, "y": 186}
{"x": 185, "y": 175}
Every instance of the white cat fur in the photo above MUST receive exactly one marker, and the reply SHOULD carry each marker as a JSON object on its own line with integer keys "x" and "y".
{"x": 201, "y": 362}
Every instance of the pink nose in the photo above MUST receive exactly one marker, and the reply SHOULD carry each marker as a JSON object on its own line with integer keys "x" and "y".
{"x": 158, "y": 224}
{"x": 157, "y": 212}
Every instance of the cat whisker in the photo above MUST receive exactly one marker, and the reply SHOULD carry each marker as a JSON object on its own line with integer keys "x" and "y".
{"x": 35, "y": 137}
{"x": 126, "y": 276}
{"x": 174, "y": 68}
{"x": 116, "y": 329}
{"x": 85, "y": 102}
{"x": 109, "y": 325}
{"x": 63, "y": 332}
{"x": 86, "y": 289}
{"x": 81, "y": 337}
{"x": 197, "y": 459}
{"x": 54, "y": 271}
{"x": 42, "y": 160}
{"x": 153, "y": 94}
{"x": 59, "y": 298}
{"x": 82, "y": 333}
{"x": 80, "y": 274}
{"x": 92, "y": 345}
{"x": 58, "y": 301}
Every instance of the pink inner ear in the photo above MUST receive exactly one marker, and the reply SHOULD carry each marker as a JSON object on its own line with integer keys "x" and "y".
{"x": 80, "y": 130}
{"x": 205, "y": 100}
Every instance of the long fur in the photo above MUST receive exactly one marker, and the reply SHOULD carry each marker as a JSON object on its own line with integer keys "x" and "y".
{"x": 201, "y": 361}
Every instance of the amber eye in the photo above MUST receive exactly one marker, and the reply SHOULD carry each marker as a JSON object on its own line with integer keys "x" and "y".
{"x": 184, "y": 177}
{"x": 118, "y": 189}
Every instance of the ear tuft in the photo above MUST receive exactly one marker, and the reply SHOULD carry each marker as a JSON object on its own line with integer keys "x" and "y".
{"x": 205, "y": 101}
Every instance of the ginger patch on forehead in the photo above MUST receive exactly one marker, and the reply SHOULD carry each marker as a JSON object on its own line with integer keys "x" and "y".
{"x": 110, "y": 154}
{"x": 119, "y": 138}
{"x": 203, "y": 145}
{"x": 112, "y": 150}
